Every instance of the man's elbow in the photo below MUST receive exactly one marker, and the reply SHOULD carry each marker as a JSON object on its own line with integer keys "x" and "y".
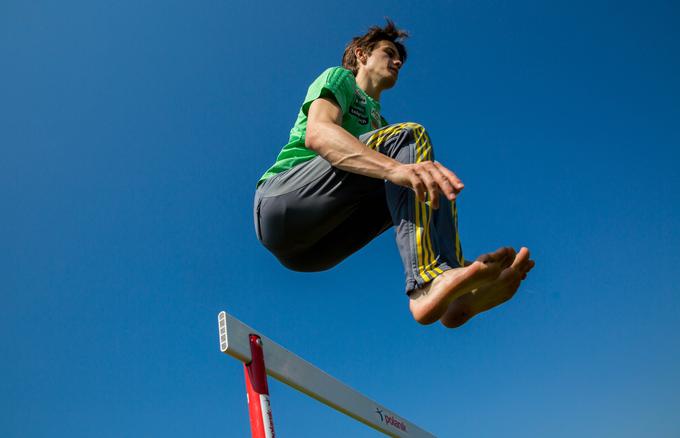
{"x": 309, "y": 141}
{"x": 312, "y": 139}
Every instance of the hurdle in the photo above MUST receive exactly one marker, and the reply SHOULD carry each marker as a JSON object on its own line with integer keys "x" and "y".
{"x": 262, "y": 356}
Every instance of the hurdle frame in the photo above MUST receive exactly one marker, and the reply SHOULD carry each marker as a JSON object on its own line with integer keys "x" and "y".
{"x": 261, "y": 356}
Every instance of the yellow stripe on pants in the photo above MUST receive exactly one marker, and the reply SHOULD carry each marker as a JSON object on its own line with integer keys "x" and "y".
{"x": 426, "y": 258}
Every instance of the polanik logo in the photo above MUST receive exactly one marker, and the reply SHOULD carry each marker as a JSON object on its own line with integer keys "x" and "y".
{"x": 390, "y": 420}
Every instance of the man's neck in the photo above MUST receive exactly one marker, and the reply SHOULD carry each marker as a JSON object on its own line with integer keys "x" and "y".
{"x": 368, "y": 85}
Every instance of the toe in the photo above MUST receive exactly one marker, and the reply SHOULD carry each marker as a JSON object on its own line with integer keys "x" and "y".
{"x": 527, "y": 266}
{"x": 508, "y": 256}
{"x": 521, "y": 258}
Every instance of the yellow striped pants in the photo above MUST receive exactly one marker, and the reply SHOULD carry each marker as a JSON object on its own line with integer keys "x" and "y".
{"x": 313, "y": 216}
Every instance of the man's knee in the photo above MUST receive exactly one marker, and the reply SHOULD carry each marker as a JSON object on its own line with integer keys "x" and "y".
{"x": 411, "y": 143}
{"x": 411, "y": 129}
{"x": 415, "y": 127}
{"x": 420, "y": 135}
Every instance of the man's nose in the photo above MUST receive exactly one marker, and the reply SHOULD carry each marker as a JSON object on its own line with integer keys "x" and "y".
{"x": 397, "y": 63}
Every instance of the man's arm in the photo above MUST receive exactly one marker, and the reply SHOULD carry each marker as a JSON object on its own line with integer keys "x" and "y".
{"x": 326, "y": 136}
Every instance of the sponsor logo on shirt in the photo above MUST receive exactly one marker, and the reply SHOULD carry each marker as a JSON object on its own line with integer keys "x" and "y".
{"x": 358, "y": 108}
{"x": 359, "y": 99}
{"x": 360, "y": 114}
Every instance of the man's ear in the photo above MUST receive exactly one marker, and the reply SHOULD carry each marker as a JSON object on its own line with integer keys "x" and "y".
{"x": 360, "y": 54}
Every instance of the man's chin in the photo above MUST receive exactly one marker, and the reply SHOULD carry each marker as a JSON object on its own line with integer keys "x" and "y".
{"x": 389, "y": 83}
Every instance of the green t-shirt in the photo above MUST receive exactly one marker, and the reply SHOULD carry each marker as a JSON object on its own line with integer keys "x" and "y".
{"x": 360, "y": 114}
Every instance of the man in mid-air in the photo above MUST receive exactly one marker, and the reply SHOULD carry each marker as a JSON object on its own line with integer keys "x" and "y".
{"x": 346, "y": 175}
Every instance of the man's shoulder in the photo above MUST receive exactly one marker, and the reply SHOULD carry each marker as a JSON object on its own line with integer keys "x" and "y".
{"x": 336, "y": 82}
{"x": 336, "y": 75}
{"x": 339, "y": 70}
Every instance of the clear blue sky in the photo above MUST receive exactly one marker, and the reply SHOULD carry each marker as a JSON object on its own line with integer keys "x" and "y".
{"x": 131, "y": 137}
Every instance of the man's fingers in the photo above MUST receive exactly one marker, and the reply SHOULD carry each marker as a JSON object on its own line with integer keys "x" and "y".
{"x": 453, "y": 179}
{"x": 431, "y": 178}
{"x": 432, "y": 187}
{"x": 418, "y": 187}
{"x": 443, "y": 183}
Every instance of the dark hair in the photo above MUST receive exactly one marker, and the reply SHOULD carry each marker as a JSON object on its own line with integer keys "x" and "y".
{"x": 370, "y": 39}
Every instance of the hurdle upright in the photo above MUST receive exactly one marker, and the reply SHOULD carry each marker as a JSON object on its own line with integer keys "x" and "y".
{"x": 262, "y": 356}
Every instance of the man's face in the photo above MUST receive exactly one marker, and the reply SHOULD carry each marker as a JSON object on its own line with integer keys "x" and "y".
{"x": 383, "y": 63}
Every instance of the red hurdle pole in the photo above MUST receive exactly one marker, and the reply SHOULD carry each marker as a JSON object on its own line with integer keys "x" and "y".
{"x": 261, "y": 423}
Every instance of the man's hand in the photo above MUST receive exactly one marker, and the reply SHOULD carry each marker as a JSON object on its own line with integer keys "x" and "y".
{"x": 427, "y": 178}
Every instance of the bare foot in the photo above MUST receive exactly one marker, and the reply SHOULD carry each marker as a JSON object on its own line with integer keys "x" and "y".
{"x": 504, "y": 256}
{"x": 490, "y": 294}
{"x": 428, "y": 303}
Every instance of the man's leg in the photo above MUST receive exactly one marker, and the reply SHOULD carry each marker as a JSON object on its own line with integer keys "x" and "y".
{"x": 314, "y": 216}
{"x": 369, "y": 219}
{"x": 427, "y": 238}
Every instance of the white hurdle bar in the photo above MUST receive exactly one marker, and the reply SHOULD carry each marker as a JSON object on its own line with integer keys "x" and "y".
{"x": 288, "y": 368}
